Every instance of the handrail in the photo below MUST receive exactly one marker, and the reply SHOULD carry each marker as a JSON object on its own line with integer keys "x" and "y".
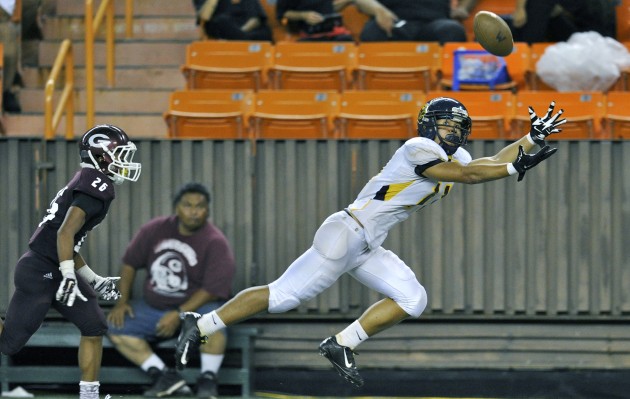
{"x": 106, "y": 9}
{"x": 66, "y": 101}
{"x": 129, "y": 18}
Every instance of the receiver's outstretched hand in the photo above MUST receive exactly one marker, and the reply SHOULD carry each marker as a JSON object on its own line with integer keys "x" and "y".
{"x": 542, "y": 127}
{"x": 524, "y": 161}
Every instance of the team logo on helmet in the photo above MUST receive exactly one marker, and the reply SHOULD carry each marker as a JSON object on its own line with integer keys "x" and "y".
{"x": 108, "y": 149}
{"x": 99, "y": 139}
{"x": 460, "y": 111}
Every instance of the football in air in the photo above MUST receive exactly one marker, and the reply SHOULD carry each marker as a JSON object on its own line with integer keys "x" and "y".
{"x": 493, "y": 33}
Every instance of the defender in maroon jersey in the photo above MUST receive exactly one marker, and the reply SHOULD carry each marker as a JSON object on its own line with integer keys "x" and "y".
{"x": 45, "y": 275}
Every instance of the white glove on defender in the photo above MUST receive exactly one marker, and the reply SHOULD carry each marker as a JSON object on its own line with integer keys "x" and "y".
{"x": 104, "y": 286}
{"x": 68, "y": 290}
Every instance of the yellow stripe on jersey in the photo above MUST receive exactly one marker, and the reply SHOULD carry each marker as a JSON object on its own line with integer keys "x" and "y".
{"x": 389, "y": 191}
{"x": 436, "y": 189}
{"x": 395, "y": 189}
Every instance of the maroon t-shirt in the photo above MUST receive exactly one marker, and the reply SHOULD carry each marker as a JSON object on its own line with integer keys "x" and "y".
{"x": 178, "y": 266}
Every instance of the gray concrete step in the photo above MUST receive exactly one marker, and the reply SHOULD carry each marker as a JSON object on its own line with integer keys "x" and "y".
{"x": 127, "y": 53}
{"x": 120, "y": 101}
{"x": 140, "y": 7}
{"x": 32, "y": 125}
{"x": 139, "y": 77}
{"x": 146, "y": 28}
{"x": 147, "y": 66}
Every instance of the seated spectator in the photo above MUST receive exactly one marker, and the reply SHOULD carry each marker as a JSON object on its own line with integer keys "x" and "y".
{"x": 10, "y": 32}
{"x": 535, "y": 21}
{"x": 189, "y": 267}
{"x": 314, "y": 20}
{"x": 232, "y": 20}
{"x": 410, "y": 20}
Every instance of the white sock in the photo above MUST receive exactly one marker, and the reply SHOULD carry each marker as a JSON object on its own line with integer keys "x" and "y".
{"x": 352, "y": 336}
{"x": 88, "y": 389}
{"x": 153, "y": 361}
{"x": 210, "y": 323}
{"x": 211, "y": 362}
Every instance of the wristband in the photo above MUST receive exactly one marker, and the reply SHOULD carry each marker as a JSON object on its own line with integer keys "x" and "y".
{"x": 87, "y": 273}
{"x": 66, "y": 267}
{"x": 530, "y": 139}
{"x": 511, "y": 169}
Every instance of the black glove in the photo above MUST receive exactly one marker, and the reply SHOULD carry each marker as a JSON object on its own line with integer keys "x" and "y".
{"x": 524, "y": 162}
{"x": 543, "y": 127}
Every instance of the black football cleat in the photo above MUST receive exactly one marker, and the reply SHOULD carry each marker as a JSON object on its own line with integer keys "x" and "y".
{"x": 167, "y": 383}
{"x": 342, "y": 359}
{"x": 189, "y": 339}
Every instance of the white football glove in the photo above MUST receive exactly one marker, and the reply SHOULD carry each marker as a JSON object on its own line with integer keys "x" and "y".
{"x": 106, "y": 287}
{"x": 68, "y": 290}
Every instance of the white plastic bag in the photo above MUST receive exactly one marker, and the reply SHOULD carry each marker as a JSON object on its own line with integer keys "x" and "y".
{"x": 588, "y": 61}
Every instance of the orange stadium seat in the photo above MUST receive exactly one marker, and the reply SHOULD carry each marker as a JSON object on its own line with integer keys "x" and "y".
{"x": 278, "y": 30}
{"x": 223, "y": 64}
{"x": 218, "y": 114}
{"x": 617, "y": 117}
{"x": 583, "y": 110}
{"x": 623, "y": 21}
{"x": 491, "y": 111}
{"x": 376, "y": 114}
{"x": 517, "y": 63}
{"x": 354, "y": 20}
{"x": 313, "y": 65}
{"x": 294, "y": 114}
{"x": 397, "y": 65}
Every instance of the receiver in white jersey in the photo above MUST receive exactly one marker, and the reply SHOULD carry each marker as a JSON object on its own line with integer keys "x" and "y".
{"x": 420, "y": 172}
{"x": 398, "y": 191}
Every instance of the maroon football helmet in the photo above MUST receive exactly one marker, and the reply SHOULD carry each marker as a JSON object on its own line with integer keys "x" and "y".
{"x": 108, "y": 149}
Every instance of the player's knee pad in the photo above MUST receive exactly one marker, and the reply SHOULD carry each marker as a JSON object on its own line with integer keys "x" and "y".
{"x": 415, "y": 303}
{"x": 279, "y": 301}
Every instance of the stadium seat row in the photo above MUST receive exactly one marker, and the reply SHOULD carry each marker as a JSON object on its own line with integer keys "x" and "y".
{"x": 383, "y": 114}
{"x": 424, "y": 66}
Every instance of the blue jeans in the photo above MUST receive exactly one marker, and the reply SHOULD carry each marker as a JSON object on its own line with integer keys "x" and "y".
{"x": 146, "y": 319}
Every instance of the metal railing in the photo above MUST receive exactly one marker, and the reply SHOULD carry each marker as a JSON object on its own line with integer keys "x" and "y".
{"x": 92, "y": 24}
{"x": 65, "y": 58}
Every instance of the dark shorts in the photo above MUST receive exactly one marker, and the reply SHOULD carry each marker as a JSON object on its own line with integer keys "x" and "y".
{"x": 36, "y": 282}
{"x": 146, "y": 319}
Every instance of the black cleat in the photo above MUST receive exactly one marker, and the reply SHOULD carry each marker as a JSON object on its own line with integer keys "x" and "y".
{"x": 207, "y": 386}
{"x": 169, "y": 382}
{"x": 189, "y": 339}
{"x": 342, "y": 359}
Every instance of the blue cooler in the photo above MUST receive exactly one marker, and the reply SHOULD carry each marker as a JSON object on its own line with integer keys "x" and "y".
{"x": 478, "y": 67}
